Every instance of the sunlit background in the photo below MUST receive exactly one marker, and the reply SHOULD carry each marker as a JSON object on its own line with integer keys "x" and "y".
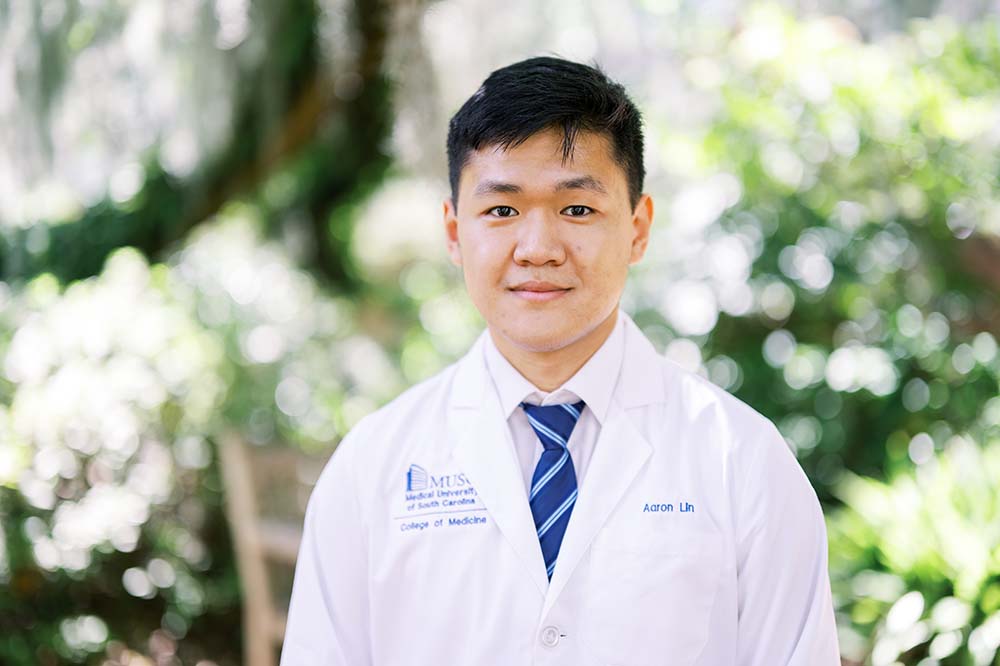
{"x": 224, "y": 217}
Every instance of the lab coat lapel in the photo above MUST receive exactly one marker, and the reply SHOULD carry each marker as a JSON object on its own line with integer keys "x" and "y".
{"x": 481, "y": 444}
{"x": 619, "y": 455}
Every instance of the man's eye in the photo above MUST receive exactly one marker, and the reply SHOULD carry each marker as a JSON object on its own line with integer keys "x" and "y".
{"x": 502, "y": 211}
{"x": 578, "y": 211}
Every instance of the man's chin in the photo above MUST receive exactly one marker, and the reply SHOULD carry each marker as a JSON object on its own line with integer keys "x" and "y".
{"x": 539, "y": 342}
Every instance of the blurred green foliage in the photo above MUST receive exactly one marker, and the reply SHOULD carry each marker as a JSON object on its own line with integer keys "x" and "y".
{"x": 917, "y": 556}
{"x": 118, "y": 370}
{"x": 866, "y": 170}
{"x": 109, "y": 485}
{"x": 825, "y": 248}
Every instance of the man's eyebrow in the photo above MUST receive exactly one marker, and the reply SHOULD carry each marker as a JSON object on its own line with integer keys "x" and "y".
{"x": 579, "y": 183}
{"x": 582, "y": 183}
{"x": 497, "y": 187}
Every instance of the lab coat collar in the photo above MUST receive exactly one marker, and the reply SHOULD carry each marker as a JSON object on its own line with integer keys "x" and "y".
{"x": 636, "y": 385}
{"x": 482, "y": 445}
{"x": 593, "y": 382}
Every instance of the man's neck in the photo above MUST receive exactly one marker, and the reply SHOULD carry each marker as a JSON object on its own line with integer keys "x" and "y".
{"x": 549, "y": 370}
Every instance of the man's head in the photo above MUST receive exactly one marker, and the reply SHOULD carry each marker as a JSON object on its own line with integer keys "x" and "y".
{"x": 545, "y": 163}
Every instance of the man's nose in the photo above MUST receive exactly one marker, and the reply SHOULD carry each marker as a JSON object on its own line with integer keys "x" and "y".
{"x": 539, "y": 240}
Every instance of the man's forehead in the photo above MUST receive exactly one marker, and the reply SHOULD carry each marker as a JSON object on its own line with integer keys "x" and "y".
{"x": 582, "y": 145}
{"x": 589, "y": 165}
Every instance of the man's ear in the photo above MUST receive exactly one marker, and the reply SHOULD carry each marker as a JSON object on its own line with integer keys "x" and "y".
{"x": 451, "y": 232}
{"x": 642, "y": 219}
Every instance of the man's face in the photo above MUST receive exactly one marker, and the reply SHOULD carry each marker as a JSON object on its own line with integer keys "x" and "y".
{"x": 524, "y": 217}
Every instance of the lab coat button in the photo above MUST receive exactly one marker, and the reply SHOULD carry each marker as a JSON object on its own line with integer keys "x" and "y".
{"x": 550, "y": 636}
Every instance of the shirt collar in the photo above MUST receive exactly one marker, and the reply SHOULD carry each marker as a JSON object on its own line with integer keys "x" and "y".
{"x": 590, "y": 383}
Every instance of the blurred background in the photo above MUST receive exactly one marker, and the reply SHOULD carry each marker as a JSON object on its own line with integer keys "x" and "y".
{"x": 220, "y": 235}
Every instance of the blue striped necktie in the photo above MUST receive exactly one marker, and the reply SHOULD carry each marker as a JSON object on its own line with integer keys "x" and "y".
{"x": 553, "y": 486}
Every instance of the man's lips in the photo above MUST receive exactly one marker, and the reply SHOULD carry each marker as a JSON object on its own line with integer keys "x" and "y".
{"x": 538, "y": 285}
{"x": 539, "y": 295}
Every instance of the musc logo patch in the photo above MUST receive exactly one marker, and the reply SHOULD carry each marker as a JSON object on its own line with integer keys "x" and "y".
{"x": 416, "y": 478}
{"x": 438, "y": 501}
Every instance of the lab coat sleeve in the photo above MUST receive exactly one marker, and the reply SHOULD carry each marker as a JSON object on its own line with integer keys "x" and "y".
{"x": 328, "y": 613}
{"x": 785, "y": 607}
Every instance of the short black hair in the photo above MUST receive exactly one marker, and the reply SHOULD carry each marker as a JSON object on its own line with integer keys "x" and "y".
{"x": 518, "y": 101}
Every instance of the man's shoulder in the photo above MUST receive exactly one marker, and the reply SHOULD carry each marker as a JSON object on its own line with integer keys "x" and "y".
{"x": 748, "y": 446}
{"x": 683, "y": 397}
{"x": 700, "y": 398}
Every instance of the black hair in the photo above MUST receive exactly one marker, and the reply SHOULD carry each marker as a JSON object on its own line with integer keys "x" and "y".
{"x": 518, "y": 101}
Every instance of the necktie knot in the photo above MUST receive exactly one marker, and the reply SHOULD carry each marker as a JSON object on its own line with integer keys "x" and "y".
{"x": 553, "y": 423}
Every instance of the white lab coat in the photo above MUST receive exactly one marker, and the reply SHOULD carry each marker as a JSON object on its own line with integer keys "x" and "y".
{"x": 696, "y": 539}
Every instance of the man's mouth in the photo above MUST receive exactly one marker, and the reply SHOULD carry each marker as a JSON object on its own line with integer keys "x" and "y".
{"x": 539, "y": 292}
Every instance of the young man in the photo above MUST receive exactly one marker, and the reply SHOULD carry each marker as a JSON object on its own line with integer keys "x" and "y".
{"x": 562, "y": 494}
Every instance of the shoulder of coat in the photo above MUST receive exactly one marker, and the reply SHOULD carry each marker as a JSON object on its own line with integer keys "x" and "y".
{"x": 698, "y": 394}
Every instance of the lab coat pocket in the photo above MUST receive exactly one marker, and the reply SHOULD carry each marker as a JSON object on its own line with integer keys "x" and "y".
{"x": 650, "y": 604}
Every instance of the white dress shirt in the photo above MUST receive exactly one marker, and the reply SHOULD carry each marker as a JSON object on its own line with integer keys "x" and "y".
{"x": 593, "y": 383}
